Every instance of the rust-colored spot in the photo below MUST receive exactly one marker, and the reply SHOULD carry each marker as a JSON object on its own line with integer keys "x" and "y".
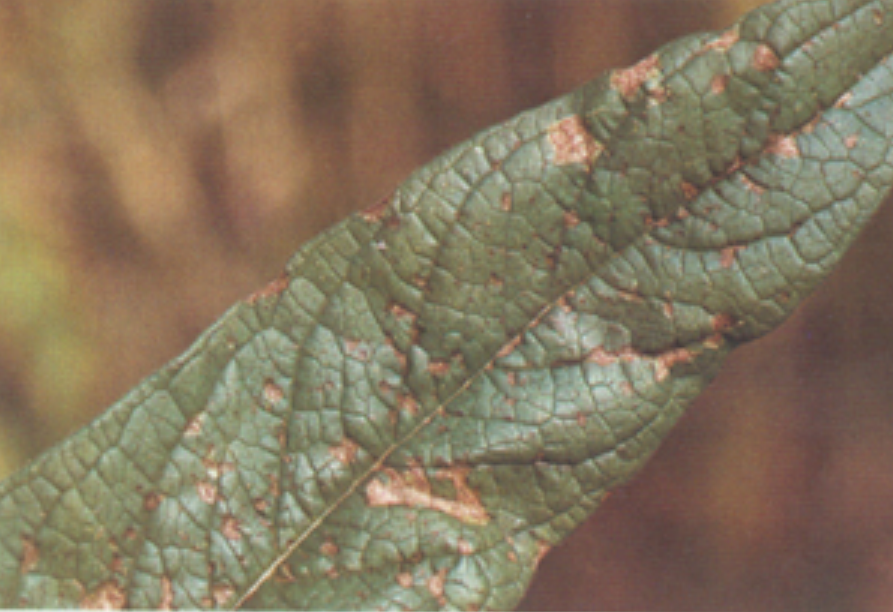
{"x": 408, "y": 403}
{"x": 151, "y": 501}
{"x": 665, "y": 361}
{"x": 629, "y": 296}
{"x": 107, "y": 596}
{"x": 273, "y": 393}
{"x": 851, "y": 141}
{"x": 117, "y": 564}
{"x": 722, "y": 322}
{"x": 436, "y": 586}
{"x": 231, "y": 527}
{"x": 222, "y": 593}
{"x": 843, "y": 100}
{"x": 511, "y": 556}
{"x": 602, "y": 357}
{"x": 813, "y": 123}
{"x": 345, "y": 452}
{"x": 413, "y": 489}
{"x": 194, "y": 426}
{"x": 464, "y": 547}
{"x": 439, "y": 368}
{"x": 356, "y": 349}
{"x": 714, "y": 341}
{"x": 167, "y": 594}
{"x": 752, "y": 186}
{"x": 400, "y": 355}
{"x": 376, "y": 212}
{"x": 728, "y": 255}
{"x": 651, "y": 222}
{"x": 542, "y": 549}
{"x": 783, "y": 146}
{"x": 669, "y": 310}
{"x": 206, "y": 492}
{"x": 572, "y": 142}
{"x": 284, "y": 574}
{"x": 724, "y": 42}
{"x": 217, "y": 468}
{"x": 571, "y": 219}
{"x": 505, "y": 202}
{"x": 628, "y": 81}
{"x": 329, "y": 548}
{"x": 402, "y": 313}
{"x": 719, "y": 83}
{"x": 405, "y": 580}
{"x": 764, "y": 58}
{"x": 274, "y": 288}
{"x": 281, "y": 437}
{"x": 581, "y": 419}
{"x": 689, "y": 190}
{"x": 30, "y": 555}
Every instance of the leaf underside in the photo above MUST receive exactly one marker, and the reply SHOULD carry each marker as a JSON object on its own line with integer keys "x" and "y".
{"x": 442, "y": 387}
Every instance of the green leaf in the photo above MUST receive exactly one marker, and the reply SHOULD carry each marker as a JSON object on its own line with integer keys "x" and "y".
{"x": 441, "y": 388}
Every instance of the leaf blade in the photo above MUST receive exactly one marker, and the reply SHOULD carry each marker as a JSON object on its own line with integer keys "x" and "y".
{"x": 482, "y": 356}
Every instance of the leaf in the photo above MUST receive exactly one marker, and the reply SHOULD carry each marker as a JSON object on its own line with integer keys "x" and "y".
{"x": 441, "y": 388}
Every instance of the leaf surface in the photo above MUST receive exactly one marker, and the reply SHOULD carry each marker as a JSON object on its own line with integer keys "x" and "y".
{"x": 440, "y": 388}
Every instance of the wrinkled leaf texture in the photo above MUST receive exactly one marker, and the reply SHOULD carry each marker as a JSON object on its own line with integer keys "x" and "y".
{"x": 442, "y": 387}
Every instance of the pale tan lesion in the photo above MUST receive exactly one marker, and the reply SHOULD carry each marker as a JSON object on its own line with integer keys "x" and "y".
{"x": 629, "y": 81}
{"x": 572, "y": 143}
{"x": 412, "y": 488}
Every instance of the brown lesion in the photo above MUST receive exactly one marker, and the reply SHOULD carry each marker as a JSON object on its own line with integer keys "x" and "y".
{"x": 724, "y": 42}
{"x": 728, "y": 255}
{"x": 345, "y": 452}
{"x": 765, "y": 59}
{"x": 572, "y": 143}
{"x": 662, "y": 362}
{"x": 274, "y": 288}
{"x": 107, "y": 596}
{"x": 436, "y": 586}
{"x": 783, "y": 145}
{"x": 167, "y": 594}
{"x": 231, "y": 528}
{"x": 378, "y": 211}
{"x": 30, "y": 555}
{"x": 152, "y": 500}
{"x": 629, "y": 81}
{"x": 412, "y": 488}
{"x": 222, "y": 593}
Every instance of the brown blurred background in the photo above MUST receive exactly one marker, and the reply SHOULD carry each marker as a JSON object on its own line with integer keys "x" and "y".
{"x": 161, "y": 159}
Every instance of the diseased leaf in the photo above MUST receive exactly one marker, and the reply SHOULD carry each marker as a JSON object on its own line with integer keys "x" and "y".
{"x": 442, "y": 387}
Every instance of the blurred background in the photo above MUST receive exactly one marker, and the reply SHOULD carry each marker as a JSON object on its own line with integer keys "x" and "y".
{"x": 161, "y": 159}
